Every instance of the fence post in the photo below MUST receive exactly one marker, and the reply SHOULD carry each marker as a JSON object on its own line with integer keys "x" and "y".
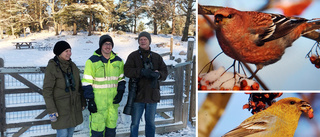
{"x": 2, "y": 101}
{"x": 178, "y": 94}
{"x": 188, "y": 68}
{"x": 192, "y": 112}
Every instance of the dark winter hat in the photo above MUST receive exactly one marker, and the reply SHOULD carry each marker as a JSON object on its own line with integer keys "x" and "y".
{"x": 60, "y": 46}
{"x": 145, "y": 34}
{"x": 105, "y": 38}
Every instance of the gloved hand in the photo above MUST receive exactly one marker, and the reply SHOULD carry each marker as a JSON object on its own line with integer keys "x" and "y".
{"x": 146, "y": 73}
{"x": 155, "y": 75}
{"x": 117, "y": 99}
{"x": 53, "y": 116}
{"x": 92, "y": 107}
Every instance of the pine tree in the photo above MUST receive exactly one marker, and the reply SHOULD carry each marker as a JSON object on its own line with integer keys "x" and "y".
{"x": 159, "y": 12}
{"x": 137, "y": 8}
{"x": 186, "y": 6}
{"x": 120, "y": 20}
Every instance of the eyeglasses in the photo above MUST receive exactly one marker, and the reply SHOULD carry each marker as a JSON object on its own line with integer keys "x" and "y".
{"x": 107, "y": 44}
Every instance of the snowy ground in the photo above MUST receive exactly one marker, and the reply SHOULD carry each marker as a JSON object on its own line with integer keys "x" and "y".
{"x": 83, "y": 47}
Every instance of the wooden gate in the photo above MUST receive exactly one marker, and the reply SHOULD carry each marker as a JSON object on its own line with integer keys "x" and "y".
{"x": 22, "y": 107}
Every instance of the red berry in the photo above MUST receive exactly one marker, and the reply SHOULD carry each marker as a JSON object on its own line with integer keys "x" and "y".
{"x": 208, "y": 82}
{"x": 313, "y": 58}
{"x": 255, "y": 86}
{"x": 243, "y": 83}
{"x": 310, "y": 113}
{"x": 246, "y": 88}
{"x": 261, "y": 104}
{"x": 236, "y": 88}
{"x": 199, "y": 78}
{"x": 203, "y": 87}
{"x": 252, "y": 103}
{"x": 246, "y": 106}
{"x": 317, "y": 61}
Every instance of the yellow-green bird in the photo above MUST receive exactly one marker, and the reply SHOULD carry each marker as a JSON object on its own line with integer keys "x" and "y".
{"x": 280, "y": 119}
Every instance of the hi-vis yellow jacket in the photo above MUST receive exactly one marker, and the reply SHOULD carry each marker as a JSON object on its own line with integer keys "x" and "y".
{"x": 101, "y": 79}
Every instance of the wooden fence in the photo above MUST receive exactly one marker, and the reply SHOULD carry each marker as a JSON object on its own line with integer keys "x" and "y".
{"x": 22, "y": 108}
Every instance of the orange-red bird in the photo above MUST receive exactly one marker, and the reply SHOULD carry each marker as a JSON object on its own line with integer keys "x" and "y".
{"x": 260, "y": 38}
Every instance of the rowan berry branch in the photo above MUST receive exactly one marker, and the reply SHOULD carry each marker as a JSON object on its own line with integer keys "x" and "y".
{"x": 239, "y": 57}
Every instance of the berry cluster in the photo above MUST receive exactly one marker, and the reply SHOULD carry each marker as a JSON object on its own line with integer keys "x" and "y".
{"x": 245, "y": 86}
{"x": 260, "y": 101}
{"x": 315, "y": 59}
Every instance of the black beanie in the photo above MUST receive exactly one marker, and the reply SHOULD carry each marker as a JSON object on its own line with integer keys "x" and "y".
{"x": 105, "y": 38}
{"x": 60, "y": 46}
{"x": 145, "y": 34}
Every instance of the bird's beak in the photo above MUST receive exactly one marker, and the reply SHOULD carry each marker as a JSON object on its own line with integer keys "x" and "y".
{"x": 306, "y": 108}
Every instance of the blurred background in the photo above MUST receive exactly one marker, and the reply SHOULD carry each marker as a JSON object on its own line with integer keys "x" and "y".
{"x": 294, "y": 71}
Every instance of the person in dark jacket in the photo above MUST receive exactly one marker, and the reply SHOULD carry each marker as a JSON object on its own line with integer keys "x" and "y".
{"x": 149, "y": 68}
{"x": 62, "y": 91}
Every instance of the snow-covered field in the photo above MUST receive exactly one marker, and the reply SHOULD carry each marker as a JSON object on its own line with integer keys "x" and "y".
{"x": 83, "y": 47}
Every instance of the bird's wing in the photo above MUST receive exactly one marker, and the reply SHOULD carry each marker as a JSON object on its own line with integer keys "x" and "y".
{"x": 252, "y": 126}
{"x": 279, "y": 27}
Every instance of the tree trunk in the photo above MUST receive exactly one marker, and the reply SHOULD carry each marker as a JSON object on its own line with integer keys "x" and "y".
{"x": 155, "y": 26}
{"x": 24, "y": 30}
{"x": 40, "y": 17}
{"x": 1, "y": 32}
{"x": 74, "y": 28}
{"x": 173, "y": 18}
{"x": 94, "y": 25}
{"x": 90, "y": 25}
{"x": 135, "y": 18}
{"x": 12, "y": 30}
{"x": 56, "y": 27}
{"x": 186, "y": 26}
{"x": 135, "y": 25}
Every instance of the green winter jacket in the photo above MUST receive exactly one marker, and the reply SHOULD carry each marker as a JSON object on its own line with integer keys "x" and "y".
{"x": 67, "y": 104}
{"x": 101, "y": 79}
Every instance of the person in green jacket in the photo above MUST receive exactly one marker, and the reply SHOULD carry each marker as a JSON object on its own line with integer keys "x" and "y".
{"x": 103, "y": 84}
{"x": 62, "y": 91}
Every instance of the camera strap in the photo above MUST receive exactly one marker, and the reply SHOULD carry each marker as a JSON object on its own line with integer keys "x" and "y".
{"x": 149, "y": 57}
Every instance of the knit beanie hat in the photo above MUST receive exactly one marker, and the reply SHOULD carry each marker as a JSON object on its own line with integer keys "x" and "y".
{"x": 105, "y": 38}
{"x": 60, "y": 46}
{"x": 145, "y": 34}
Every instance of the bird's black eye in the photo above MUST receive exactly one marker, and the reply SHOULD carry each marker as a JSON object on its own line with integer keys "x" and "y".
{"x": 292, "y": 102}
{"x": 229, "y": 16}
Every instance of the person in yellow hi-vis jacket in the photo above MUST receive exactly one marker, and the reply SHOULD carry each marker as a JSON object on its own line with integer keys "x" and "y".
{"x": 103, "y": 84}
